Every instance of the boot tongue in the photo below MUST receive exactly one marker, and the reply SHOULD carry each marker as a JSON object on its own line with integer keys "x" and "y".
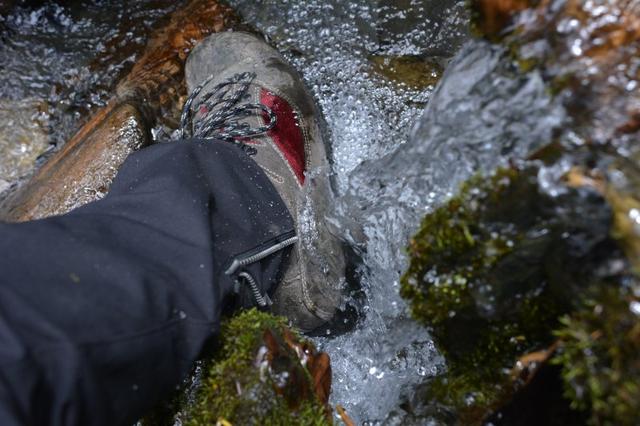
{"x": 287, "y": 133}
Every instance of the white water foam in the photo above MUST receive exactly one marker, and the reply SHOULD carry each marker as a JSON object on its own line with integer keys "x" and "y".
{"x": 378, "y": 362}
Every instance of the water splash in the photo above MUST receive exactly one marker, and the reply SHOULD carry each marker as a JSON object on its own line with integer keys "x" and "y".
{"x": 341, "y": 50}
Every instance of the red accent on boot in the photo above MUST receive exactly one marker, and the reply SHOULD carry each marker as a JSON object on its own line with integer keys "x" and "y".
{"x": 287, "y": 133}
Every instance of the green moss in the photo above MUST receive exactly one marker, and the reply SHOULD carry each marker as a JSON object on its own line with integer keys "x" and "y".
{"x": 490, "y": 273}
{"x": 448, "y": 244}
{"x": 242, "y": 387}
{"x": 599, "y": 357}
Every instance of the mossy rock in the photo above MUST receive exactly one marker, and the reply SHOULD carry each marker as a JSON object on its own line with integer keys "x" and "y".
{"x": 491, "y": 272}
{"x": 509, "y": 269}
{"x": 599, "y": 356}
{"x": 263, "y": 374}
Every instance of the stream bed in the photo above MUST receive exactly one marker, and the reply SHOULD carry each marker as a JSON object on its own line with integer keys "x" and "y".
{"x": 516, "y": 149}
{"x": 372, "y": 67}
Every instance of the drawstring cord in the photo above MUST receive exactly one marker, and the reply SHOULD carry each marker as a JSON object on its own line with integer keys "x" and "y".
{"x": 245, "y": 277}
{"x": 262, "y": 301}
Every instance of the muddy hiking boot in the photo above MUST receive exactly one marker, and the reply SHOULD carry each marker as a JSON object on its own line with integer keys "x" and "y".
{"x": 242, "y": 91}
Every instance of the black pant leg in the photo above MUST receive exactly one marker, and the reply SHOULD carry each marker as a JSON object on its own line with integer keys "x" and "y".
{"x": 103, "y": 310}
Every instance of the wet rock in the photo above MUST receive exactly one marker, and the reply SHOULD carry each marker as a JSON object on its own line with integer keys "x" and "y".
{"x": 72, "y": 54}
{"x": 412, "y": 71}
{"x": 264, "y": 373}
{"x": 23, "y": 138}
{"x": 83, "y": 169}
{"x": 534, "y": 266}
{"x": 493, "y": 269}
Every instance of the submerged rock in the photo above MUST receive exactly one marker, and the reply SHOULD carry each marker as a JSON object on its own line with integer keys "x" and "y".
{"x": 264, "y": 373}
{"x": 66, "y": 58}
{"x": 536, "y": 264}
{"x": 413, "y": 71}
{"x": 23, "y": 138}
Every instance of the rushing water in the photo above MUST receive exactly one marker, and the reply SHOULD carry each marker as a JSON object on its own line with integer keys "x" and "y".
{"x": 372, "y": 67}
{"x": 482, "y": 115}
{"x": 351, "y": 55}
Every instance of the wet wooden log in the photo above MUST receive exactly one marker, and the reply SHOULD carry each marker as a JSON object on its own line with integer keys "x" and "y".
{"x": 83, "y": 169}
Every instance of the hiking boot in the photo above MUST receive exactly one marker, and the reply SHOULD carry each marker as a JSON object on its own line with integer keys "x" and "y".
{"x": 278, "y": 127}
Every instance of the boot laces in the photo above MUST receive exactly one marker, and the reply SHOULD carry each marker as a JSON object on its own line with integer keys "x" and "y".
{"x": 225, "y": 109}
